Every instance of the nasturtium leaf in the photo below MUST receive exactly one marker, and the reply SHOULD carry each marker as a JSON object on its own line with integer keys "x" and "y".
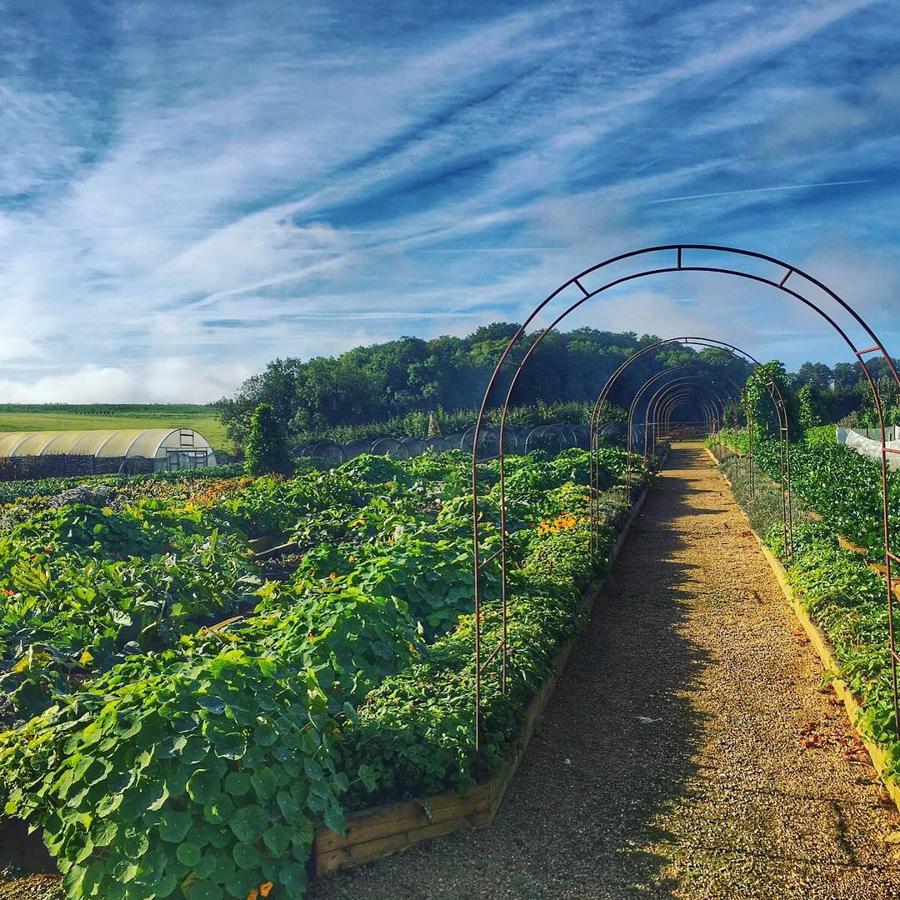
{"x": 63, "y": 783}
{"x": 201, "y": 832}
{"x": 206, "y": 890}
{"x": 212, "y": 704}
{"x": 219, "y": 810}
{"x": 166, "y": 886}
{"x": 203, "y": 786}
{"x": 246, "y": 856}
{"x": 174, "y": 826}
{"x": 103, "y": 831}
{"x": 334, "y": 818}
{"x": 135, "y": 844}
{"x": 230, "y": 746}
{"x": 367, "y": 776}
{"x": 249, "y": 823}
{"x": 184, "y": 723}
{"x": 321, "y": 789}
{"x": 242, "y": 883}
{"x": 282, "y": 753}
{"x": 188, "y": 853}
{"x": 206, "y": 865}
{"x": 155, "y": 795}
{"x": 264, "y": 783}
{"x": 127, "y": 731}
{"x": 195, "y": 751}
{"x": 125, "y": 870}
{"x": 220, "y": 837}
{"x": 265, "y": 735}
{"x": 304, "y": 832}
{"x": 237, "y": 783}
{"x": 85, "y": 852}
{"x": 277, "y": 838}
{"x": 109, "y": 804}
{"x": 289, "y": 807}
{"x": 293, "y": 877}
{"x": 313, "y": 769}
{"x": 341, "y": 781}
{"x": 81, "y": 763}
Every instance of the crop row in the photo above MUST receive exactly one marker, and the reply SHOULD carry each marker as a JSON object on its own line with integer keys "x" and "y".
{"x": 841, "y": 486}
{"x": 162, "y": 754}
{"x": 21, "y": 489}
{"x": 842, "y": 594}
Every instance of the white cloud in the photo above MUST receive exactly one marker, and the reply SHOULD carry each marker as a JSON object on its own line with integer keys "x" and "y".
{"x": 159, "y": 382}
{"x": 261, "y": 169}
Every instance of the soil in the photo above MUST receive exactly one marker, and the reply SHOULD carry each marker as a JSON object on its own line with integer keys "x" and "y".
{"x": 690, "y": 750}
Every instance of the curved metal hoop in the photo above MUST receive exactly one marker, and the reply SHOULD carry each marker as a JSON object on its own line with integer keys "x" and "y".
{"x": 682, "y": 388}
{"x": 665, "y": 406}
{"x": 678, "y": 263}
{"x": 651, "y": 382}
{"x": 666, "y": 409}
{"x": 781, "y": 414}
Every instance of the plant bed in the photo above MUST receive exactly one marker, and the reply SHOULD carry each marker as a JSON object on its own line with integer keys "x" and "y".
{"x": 371, "y": 834}
{"x": 158, "y": 758}
{"x": 859, "y": 708}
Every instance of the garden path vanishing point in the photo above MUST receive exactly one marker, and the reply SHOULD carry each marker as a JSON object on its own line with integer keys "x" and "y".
{"x": 690, "y": 749}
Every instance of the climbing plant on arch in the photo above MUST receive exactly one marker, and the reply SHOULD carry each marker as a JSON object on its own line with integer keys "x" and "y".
{"x": 757, "y": 268}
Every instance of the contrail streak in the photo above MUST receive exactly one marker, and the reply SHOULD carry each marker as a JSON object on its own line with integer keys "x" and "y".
{"x": 782, "y": 187}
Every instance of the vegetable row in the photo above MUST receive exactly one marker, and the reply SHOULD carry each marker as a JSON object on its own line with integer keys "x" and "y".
{"x": 839, "y": 588}
{"x": 160, "y": 758}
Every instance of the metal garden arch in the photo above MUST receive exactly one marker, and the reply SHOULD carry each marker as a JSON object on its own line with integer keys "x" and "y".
{"x": 772, "y": 389}
{"x": 671, "y": 258}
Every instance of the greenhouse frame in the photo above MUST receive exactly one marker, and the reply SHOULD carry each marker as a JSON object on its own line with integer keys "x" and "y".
{"x": 30, "y": 454}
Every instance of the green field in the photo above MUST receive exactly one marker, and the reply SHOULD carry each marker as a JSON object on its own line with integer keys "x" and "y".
{"x": 60, "y": 417}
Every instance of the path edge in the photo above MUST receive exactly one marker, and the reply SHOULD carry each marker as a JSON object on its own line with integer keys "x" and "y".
{"x": 381, "y": 831}
{"x": 822, "y": 645}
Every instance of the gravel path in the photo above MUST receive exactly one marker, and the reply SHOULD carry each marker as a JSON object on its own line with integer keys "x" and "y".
{"x": 689, "y": 750}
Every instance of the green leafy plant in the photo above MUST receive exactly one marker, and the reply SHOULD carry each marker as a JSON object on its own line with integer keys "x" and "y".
{"x": 266, "y": 450}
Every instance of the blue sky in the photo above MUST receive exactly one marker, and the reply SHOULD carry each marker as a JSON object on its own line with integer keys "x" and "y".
{"x": 188, "y": 190}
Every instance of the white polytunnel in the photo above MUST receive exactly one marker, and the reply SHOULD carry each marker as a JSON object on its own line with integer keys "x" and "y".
{"x": 164, "y": 448}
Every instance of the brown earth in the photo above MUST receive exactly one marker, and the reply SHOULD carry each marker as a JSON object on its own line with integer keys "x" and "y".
{"x": 690, "y": 749}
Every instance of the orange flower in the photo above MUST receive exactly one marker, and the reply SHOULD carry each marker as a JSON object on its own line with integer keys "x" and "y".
{"x": 253, "y": 895}
{"x": 266, "y": 889}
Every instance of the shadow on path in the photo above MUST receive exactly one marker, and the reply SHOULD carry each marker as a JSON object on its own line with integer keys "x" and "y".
{"x": 616, "y": 743}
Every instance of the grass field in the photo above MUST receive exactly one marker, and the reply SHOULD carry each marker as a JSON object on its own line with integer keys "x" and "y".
{"x": 59, "y": 417}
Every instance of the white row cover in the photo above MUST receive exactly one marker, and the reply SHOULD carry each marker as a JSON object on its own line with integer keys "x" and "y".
{"x": 867, "y": 446}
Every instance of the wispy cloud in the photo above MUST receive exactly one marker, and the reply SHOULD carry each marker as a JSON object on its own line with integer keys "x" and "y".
{"x": 763, "y": 190}
{"x": 196, "y": 189}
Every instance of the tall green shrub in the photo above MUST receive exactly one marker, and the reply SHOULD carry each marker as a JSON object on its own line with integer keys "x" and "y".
{"x": 267, "y": 447}
{"x": 809, "y": 407}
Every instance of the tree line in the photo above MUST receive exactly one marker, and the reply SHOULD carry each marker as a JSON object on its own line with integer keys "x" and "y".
{"x": 398, "y": 387}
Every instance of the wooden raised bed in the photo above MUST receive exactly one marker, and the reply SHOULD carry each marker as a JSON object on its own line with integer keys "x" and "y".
{"x": 371, "y": 834}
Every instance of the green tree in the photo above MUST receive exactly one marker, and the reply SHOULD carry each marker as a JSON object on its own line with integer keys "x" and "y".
{"x": 818, "y": 375}
{"x": 267, "y": 447}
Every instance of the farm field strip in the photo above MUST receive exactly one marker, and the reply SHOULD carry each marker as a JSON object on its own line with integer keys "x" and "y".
{"x": 690, "y": 749}
{"x": 200, "y": 419}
